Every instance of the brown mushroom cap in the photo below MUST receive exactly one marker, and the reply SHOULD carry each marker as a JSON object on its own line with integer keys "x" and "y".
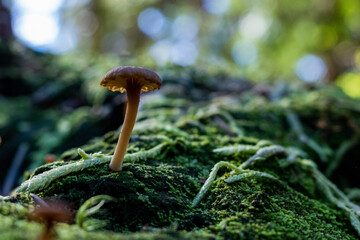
{"x": 52, "y": 212}
{"x": 119, "y": 78}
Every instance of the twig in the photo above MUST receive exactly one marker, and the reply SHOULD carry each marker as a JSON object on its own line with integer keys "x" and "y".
{"x": 39, "y": 182}
{"x": 224, "y": 126}
{"x": 264, "y": 153}
{"x": 14, "y": 168}
{"x": 295, "y": 124}
{"x": 211, "y": 179}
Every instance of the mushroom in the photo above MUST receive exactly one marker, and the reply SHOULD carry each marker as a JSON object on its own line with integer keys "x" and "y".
{"x": 49, "y": 213}
{"x": 133, "y": 81}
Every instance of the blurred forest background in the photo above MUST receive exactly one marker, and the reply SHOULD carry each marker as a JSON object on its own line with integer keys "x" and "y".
{"x": 54, "y": 53}
{"x": 267, "y": 40}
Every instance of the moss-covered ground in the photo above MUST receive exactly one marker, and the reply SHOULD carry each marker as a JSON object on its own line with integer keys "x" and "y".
{"x": 175, "y": 144}
{"x": 191, "y": 125}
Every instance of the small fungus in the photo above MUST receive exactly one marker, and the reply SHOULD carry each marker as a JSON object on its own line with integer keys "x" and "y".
{"x": 49, "y": 213}
{"x": 50, "y": 158}
{"x": 133, "y": 81}
{"x": 37, "y": 200}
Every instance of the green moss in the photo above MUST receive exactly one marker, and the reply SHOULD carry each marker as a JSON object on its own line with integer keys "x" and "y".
{"x": 26, "y": 230}
{"x": 154, "y": 195}
{"x": 8, "y": 207}
{"x": 155, "y": 191}
{"x": 160, "y": 193}
{"x": 260, "y": 210}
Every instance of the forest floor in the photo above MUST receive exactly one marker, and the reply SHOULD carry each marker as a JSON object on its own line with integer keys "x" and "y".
{"x": 212, "y": 156}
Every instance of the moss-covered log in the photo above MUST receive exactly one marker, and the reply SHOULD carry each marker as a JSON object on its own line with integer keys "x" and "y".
{"x": 181, "y": 134}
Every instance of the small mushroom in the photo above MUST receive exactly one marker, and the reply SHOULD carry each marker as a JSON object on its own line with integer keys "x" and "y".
{"x": 49, "y": 213}
{"x": 133, "y": 81}
{"x": 38, "y": 200}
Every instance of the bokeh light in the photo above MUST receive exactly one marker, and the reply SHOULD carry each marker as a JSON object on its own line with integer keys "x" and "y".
{"x": 357, "y": 59}
{"x": 185, "y": 27}
{"x": 310, "y": 68}
{"x": 152, "y": 22}
{"x": 244, "y": 53}
{"x": 273, "y": 36}
{"x": 184, "y": 53}
{"x": 87, "y": 22}
{"x": 325, "y": 37}
{"x": 161, "y": 52}
{"x": 36, "y": 30}
{"x": 253, "y": 26}
{"x": 36, "y": 23}
{"x": 217, "y": 6}
{"x": 65, "y": 42}
{"x": 40, "y": 6}
{"x": 350, "y": 83}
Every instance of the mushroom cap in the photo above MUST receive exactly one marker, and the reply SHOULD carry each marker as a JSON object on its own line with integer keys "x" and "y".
{"x": 52, "y": 212}
{"x": 119, "y": 78}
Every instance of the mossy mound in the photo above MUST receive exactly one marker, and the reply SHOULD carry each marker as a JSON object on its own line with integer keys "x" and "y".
{"x": 279, "y": 195}
{"x": 156, "y": 196}
{"x": 264, "y": 139}
{"x": 267, "y": 210}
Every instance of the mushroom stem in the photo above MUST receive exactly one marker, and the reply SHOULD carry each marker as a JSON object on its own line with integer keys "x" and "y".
{"x": 48, "y": 231}
{"x": 133, "y": 95}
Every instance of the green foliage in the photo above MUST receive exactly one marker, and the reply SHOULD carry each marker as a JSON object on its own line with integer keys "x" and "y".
{"x": 90, "y": 207}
